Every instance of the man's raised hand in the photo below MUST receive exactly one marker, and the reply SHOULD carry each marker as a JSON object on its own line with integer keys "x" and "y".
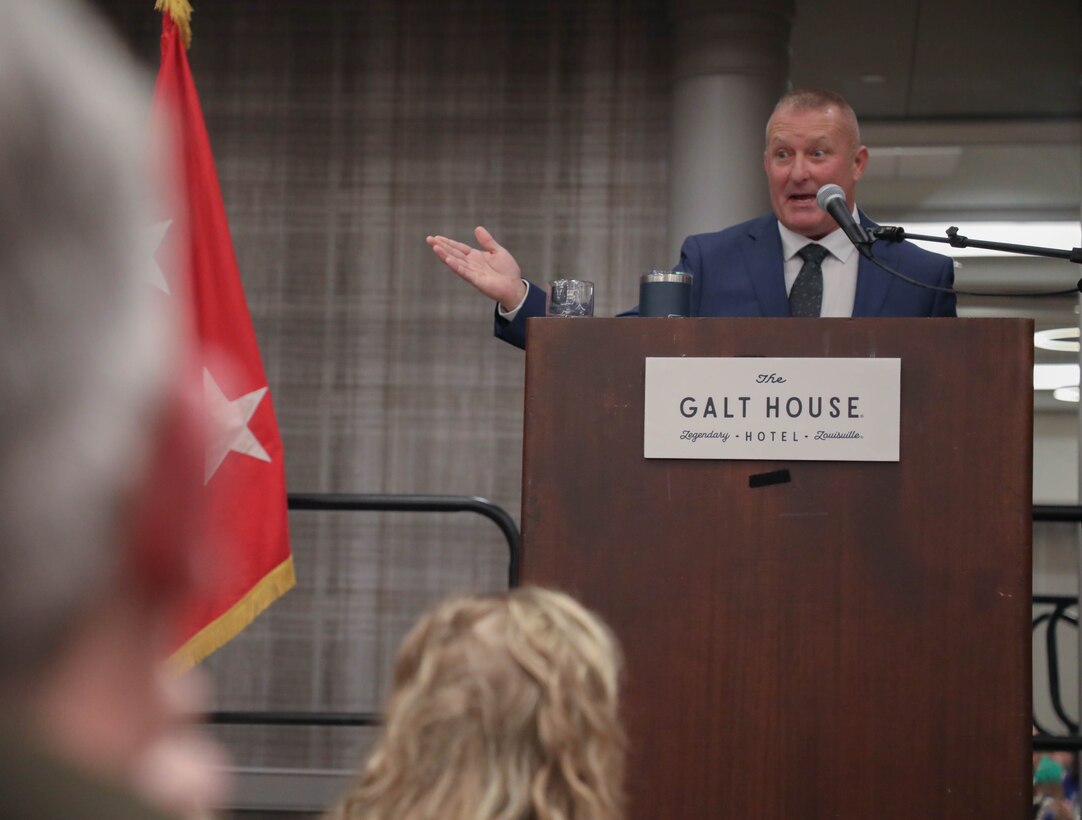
{"x": 490, "y": 268}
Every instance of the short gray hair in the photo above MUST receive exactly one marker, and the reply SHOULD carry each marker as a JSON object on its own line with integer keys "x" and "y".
{"x": 83, "y": 341}
{"x": 818, "y": 99}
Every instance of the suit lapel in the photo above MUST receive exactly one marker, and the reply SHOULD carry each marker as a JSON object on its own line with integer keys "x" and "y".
{"x": 872, "y": 283}
{"x": 766, "y": 267}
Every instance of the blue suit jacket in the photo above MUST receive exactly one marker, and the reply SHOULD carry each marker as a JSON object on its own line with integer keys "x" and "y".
{"x": 740, "y": 272}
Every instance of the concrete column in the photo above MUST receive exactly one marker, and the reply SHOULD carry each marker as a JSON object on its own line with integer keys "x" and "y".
{"x": 730, "y": 65}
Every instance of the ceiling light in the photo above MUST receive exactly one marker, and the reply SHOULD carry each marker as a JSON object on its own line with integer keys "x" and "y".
{"x": 1066, "y": 394}
{"x": 914, "y": 162}
{"x": 1057, "y": 339}
{"x": 1051, "y": 376}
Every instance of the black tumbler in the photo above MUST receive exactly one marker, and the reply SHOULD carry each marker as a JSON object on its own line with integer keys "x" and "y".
{"x": 665, "y": 293}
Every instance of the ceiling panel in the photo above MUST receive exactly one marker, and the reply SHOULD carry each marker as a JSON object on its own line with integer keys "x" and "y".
{"x": 945, "y": 59}
{"x": 997, "y": 58}
{"x": 837, "y": 42}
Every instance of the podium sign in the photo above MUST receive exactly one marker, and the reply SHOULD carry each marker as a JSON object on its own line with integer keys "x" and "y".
{"x": 805, "y": 409}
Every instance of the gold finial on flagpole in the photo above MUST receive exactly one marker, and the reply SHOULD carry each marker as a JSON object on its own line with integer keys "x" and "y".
{"x": 181, "y": 12}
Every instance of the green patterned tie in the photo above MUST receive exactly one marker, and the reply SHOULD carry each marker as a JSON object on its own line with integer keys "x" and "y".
{"x": 806, "y": 296}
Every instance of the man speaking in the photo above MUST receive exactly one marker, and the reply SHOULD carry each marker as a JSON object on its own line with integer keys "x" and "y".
{"x": 796, "y": 261}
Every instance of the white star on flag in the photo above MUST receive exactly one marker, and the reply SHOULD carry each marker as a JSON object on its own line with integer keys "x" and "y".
{"x": 230, "y": 419}
{"x": 153, "y": 240}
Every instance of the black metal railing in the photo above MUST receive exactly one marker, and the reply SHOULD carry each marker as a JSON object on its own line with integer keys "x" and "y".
{"x": 1049, "y": 620}
{"x": 1057, "y": 512}
{"x": 418, "y": 504}
{"x": 379, "y": 503}
{"x": 278, "y": 718}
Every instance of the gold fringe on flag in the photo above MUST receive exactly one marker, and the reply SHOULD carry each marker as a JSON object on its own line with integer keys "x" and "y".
{"x": 181, "y": 12}
{"x": 228, "y": 625}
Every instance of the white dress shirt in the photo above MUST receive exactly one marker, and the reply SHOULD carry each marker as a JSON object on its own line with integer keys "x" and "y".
{"x": 510, "y": 315}
{"x": 839, "y": 267}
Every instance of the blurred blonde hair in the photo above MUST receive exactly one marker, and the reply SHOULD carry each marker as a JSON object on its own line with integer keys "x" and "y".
{"x": 503, "y": 707}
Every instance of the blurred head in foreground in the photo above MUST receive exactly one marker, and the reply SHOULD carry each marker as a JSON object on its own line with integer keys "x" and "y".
{"x": 503, "y": 707}
{"x": 98, "y": 438}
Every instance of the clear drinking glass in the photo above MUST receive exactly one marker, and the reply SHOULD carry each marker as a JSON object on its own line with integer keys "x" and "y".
{"x": 571, "y": 297}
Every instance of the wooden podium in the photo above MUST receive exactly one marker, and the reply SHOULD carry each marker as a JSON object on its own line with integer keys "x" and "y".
{"x": 851, "y": 643}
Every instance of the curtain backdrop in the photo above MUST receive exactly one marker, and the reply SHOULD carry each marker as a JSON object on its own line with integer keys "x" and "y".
{"x": 345, "y": 132}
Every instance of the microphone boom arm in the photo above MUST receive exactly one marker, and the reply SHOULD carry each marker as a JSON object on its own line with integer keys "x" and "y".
{"x": 891, "y": 233}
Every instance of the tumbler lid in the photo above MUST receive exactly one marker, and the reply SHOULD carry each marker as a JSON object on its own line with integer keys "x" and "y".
{"x": 666, "y": 276}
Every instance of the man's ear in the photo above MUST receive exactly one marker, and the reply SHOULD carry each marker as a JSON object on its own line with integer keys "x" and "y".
{"x": 860, "y": 162}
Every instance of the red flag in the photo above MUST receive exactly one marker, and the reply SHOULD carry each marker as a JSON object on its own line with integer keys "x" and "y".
{"x": 244, "y": 470}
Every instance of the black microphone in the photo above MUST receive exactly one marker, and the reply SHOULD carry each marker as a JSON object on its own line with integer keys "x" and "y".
{"x": 831, "y": 198}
